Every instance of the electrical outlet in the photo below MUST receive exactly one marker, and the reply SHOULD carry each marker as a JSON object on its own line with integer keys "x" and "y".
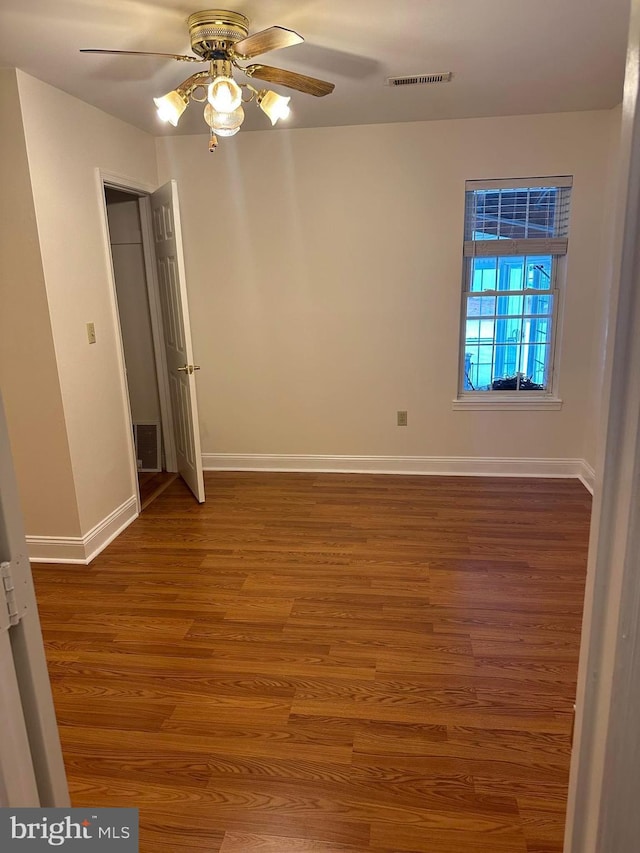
{"x": 402, "y": 418}
{"x": 91, "y": 333}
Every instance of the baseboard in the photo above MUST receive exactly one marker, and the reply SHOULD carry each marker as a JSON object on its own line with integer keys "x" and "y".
{"x": 97, "y": 539}
{"x": 587, "y": 476}
{"x": 56, "y": 549}
{"x": 82, "y": 549}
{"x": 442, "y": 465}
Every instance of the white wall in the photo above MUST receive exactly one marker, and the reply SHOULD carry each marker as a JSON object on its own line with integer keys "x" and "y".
{"x": 133, "y": 309}
{"x": 66, "y": 140}
{"x": 28, "y": 371}
{"x": 593, "y": 421}
{"x": 324, "y": 276}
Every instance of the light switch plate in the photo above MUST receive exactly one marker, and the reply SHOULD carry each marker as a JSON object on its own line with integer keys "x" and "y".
{"x": 91, "y": 333}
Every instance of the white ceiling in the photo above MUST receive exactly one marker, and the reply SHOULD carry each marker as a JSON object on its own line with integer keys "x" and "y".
{"x": 508, "y": 56}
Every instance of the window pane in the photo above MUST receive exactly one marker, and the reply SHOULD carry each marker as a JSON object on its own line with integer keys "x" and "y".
{"x": 477, "y": 369}
{"x": 488, "y": 306}
{"x": 539, "y": 272}
{"x": 473, "y": 306}
{"x": 534, "y": 363}
{"x": 487, "y": 330}
{"x": 509, "y": 305}
{"x": 484, "y": 274}
{"x": 470, "y": 368}
{"x": 542, "y": 304}
{"x": 483, "y": 381}
{"x": 473, "y": 331}
{"x": 484, "y": 306}
{"x": 508, "y": 331}
{"x": 537, "y": 331}
{"x": 511, "y": 273}
{"x": 485, "y": 354}
{"x": 507, "y": 360}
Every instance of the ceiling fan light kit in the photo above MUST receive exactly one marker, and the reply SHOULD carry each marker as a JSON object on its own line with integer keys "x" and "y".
{"x": 273, "y": 105}
{"x": 224, "y": 124}
{"x": 222, "y": 39}
{"x": 224, "y": 94}
{"x": 171, "y": 106}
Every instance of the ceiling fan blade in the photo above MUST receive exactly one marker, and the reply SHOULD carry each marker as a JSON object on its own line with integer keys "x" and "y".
{"x": 309, "y": 85}
{"x": 273, "y": 38}
{"x": 177, "y": 56}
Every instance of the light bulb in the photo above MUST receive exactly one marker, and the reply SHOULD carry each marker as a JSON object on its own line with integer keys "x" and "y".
{"x": 170, "y": 107}
{"x": 224, "y": 94}
{"x": 224, "y": 124}
{"x": 274, "y": 105}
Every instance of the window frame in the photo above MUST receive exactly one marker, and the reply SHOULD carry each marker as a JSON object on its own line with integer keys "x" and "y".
{"x": 514, "y": 400}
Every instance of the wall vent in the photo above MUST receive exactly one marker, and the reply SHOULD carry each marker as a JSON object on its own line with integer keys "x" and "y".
{"x": 146, "y": 436}
{"x": 420, "y": 79}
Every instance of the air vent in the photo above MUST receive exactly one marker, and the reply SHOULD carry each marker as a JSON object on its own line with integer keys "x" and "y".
{"x": 148, "y": 449}
{"x": 420, "y": 79}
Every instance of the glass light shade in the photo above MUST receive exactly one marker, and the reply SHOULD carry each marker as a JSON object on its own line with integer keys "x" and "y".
{"x": 224, "y": 124}
{"x": 170, "y": 107}
{"x": 224, "y": 95}
{"x": 274, "y": 105}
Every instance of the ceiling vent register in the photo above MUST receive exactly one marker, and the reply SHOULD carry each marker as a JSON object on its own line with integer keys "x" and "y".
{"x": 420, "y": 79}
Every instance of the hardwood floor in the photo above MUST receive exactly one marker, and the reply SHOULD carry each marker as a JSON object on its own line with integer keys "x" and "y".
{"x": 328, "y": 664}
{"x": 152, "y": 485}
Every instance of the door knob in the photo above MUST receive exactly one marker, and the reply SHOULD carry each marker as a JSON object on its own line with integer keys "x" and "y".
{"x": 196, "y": 367}
{"x": 184, "y": 369}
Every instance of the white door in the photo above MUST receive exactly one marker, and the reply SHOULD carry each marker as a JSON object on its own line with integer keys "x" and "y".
{"x": 177, "y": 335}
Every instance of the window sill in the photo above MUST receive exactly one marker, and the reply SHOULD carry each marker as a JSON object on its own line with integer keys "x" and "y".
{"x": 507, "y": 403}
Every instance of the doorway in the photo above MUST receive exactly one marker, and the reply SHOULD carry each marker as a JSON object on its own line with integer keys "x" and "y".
{"x": 140, "y": 329}
{"x": 154, "y": 238}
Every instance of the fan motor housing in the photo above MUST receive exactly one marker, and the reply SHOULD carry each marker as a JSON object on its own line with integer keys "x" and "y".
{"x": 216, "y": 29}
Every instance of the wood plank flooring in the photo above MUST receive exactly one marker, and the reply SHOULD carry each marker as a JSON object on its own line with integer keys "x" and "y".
{"x": 328, "y": 664}
{"x": 152, "y": 485}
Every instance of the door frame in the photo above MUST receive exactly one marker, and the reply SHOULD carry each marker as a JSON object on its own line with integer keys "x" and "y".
{"x": 602, "y": 812}
{"x": 142, "y": 191}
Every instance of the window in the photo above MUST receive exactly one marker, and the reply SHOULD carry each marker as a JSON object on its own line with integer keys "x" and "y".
{"x": 515, "y": 239}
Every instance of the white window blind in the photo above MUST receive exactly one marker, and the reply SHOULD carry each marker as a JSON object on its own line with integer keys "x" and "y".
{"x": 523, "y": 217}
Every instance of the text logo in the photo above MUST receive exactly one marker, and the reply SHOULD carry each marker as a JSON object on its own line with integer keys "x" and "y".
{"x": 86, "y": 830}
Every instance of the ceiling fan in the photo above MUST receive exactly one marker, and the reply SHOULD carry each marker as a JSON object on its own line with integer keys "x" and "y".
{"x": 222, "y": 39}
